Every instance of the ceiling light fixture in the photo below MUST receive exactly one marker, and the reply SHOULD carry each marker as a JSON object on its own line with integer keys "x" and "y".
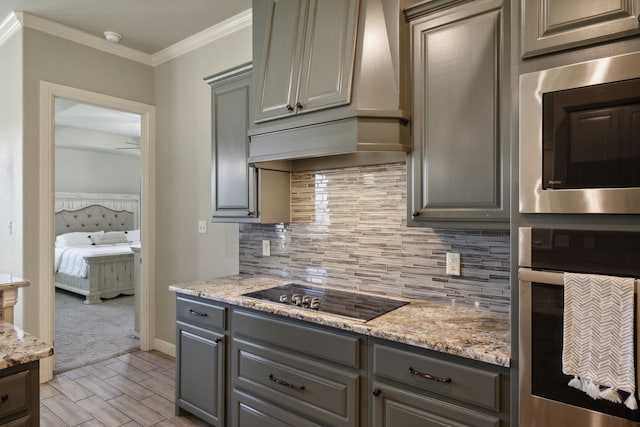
{"x": 112, "y": 37}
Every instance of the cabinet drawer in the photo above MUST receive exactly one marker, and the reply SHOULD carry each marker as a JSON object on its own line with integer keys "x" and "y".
{"x": 198, "y": 312}
{"x": 252, "y": 412}
{"x": 320, "y": 343}
{"x": 14, "y": 393}
{"x": 312, "y": 389}
{"x": 393, "y": 407}
{"x": 464, "y": 383}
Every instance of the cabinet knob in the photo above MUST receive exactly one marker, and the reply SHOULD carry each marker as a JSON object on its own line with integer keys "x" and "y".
{"x": 299, "y": 106}
{"x": 415, "y": 214}
{"x": 376, "y": 392}
{"x": 4, "y": 398}
{"x": 250, "y": 213}
{"x": 289, "y": 107}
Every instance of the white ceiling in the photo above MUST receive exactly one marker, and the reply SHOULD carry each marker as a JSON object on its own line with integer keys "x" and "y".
{"x": 125, "y": 125}
{"x": 145, "y": 25}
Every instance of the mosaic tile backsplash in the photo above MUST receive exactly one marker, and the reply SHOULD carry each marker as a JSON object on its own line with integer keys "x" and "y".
{"x": 349, "y": 229}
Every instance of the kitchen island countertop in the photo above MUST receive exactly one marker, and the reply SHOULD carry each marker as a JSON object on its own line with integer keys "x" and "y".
{"x": 474, "y": 334}
{"x": 18, "y": 347}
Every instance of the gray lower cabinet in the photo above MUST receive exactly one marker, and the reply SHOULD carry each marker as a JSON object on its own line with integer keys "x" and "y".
{"x": 286, "y": 373}
{"x": 419, "y": 388}
{"x": 200, "y": 359}
{"x": 458, "y": 172}
{"x": 240, "y": 192}
{"x": 19, "y": 395}
{"x": 553, "y": 25}
{"x": 242, "y": 368}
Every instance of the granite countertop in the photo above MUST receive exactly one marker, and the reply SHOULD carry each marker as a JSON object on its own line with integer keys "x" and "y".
{"x": 474, "y": 334}
{"x": 7, "y": 281}
{"x": 18, "y": 347}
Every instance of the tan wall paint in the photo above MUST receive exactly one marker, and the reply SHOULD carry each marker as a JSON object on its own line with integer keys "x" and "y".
{"x": 184, "y": 174}
{"x": 49, "y": 58}
{"x": 11, "y": 157}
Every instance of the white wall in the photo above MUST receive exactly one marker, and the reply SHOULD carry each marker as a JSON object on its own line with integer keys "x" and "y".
{"x": 92, "y": 171}
{"x": 11, "y": 156}
{"x": 183, "y": 141}
{"x": 52, "y": 59}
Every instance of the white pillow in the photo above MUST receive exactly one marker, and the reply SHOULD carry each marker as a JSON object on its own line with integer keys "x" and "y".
{"x": 109, "y": 238}
{"x": 77, "y": 238}
{"x": 133, "y": 236}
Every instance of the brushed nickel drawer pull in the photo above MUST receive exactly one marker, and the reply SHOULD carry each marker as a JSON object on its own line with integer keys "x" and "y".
{"x": 197, "y": 313}
{"x": 286, "y": 384}
{"x": 428, "y": 376}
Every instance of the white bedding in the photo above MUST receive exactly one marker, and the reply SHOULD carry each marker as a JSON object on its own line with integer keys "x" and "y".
{"x": 71, "y": 260}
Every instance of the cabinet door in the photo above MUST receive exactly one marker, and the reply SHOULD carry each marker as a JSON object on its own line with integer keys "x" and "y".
{"x": 458, "y": 169}
{"x": 279, "y": 60}
{"x": 232, "y": 180}
{"x": 394, "y": 407}
{"x": 201, "y": 374}
{"x": 328, "y": 56}
{"x": 552, "y": 25}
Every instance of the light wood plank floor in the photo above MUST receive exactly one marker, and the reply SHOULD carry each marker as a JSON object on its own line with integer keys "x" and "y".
{"x": 134, "y": 389}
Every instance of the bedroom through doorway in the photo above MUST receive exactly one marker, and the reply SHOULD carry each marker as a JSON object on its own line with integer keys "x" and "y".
{"x": 97, "y": 244}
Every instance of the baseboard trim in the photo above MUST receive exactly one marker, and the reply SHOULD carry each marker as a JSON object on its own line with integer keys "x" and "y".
{"x": 164, "y": 347}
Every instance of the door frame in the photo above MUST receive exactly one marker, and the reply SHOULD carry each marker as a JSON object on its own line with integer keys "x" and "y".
{"x": 48, "y": 93}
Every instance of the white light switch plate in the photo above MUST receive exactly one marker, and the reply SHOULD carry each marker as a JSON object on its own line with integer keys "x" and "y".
{"x": 453, "y": 263}
{"x": 266, "y": 248}
{"x": 202, "y": 226}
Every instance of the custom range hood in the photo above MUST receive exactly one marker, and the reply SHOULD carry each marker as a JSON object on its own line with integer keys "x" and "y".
{"x": 328, "y": 83}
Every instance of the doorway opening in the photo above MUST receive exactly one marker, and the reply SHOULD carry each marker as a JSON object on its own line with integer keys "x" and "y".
{"x": 97, "y": 233}
{"x": 138, "y": 213}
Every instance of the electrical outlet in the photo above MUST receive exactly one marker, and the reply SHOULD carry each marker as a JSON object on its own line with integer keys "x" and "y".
{"x": 453, "y": 263}
{"x": 202, "y": 226}
{"x": 266, "y": 248}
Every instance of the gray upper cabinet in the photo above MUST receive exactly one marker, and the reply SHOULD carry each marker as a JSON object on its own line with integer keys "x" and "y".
{"x": 553, "y": 25}
{"x": 458, "y": 171}
{"x": 307, "y": 60}
{"x": 328, "y": 81}
{"x": 240, "y": 193}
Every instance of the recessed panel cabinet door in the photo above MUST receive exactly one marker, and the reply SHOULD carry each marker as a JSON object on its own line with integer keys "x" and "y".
{"x": 233, "y": 181}
{"x": 552, "y": 25}
{"x": 201, "y": 367}
{"x": 327, "y": 60}
{"x": 458, "y": 166}
{"x": 279, "y": 62}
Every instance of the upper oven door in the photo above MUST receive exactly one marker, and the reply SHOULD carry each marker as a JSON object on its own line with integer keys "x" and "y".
{"x": 575, "y": 196}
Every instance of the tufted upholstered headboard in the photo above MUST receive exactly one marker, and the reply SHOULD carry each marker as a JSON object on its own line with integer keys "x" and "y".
{"x": 93, "y": 218}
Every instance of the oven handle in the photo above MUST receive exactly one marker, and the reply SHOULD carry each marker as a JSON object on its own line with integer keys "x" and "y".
{"x": 545, "y": 277}
{"x": 548, "y": 277}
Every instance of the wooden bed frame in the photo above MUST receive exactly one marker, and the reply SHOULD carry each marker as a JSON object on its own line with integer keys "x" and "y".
{"x": 110, "y": 275}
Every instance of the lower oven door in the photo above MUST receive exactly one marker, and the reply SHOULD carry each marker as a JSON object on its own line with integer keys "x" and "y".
{"x": 546, "y": 400}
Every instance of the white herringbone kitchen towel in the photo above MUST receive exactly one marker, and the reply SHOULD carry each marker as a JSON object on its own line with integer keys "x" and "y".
{"x": 598, "y": 347}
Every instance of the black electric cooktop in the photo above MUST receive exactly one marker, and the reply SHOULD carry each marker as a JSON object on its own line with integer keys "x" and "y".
{"x": 332, "y": 301}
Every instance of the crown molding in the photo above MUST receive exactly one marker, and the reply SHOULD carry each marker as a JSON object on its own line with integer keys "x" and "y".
{"x": 211, "y": 34}
{"x": 77, "y": 36}
{"x": 8, "y": 27}
{"x": 16, "y": 20}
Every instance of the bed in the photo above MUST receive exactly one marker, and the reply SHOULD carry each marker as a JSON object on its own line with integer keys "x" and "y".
{"x": 93, "y": 255}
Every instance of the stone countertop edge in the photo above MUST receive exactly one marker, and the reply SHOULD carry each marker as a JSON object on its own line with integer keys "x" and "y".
{"x": 479, "y": 335}
{"x": 18, "y": 347}
{"x": 8, "y": 281}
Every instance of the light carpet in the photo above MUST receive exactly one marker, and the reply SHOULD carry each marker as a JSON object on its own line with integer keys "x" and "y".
{"x": 90, "y": 333}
